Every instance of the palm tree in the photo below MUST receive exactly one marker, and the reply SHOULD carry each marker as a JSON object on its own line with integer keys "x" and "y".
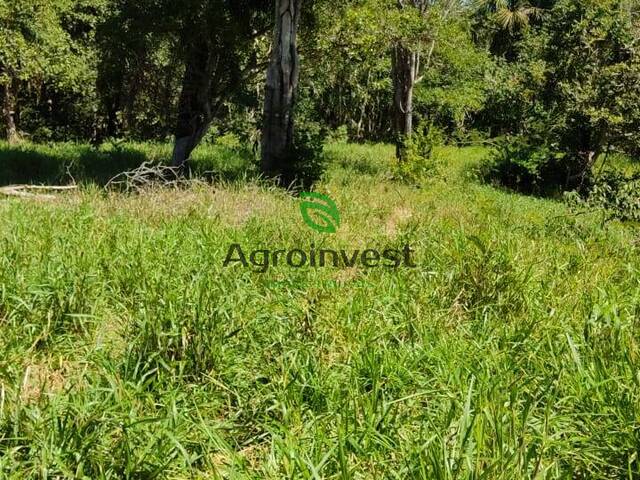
{"x": 510, "y": 15}
{"x": 503, "y": 21}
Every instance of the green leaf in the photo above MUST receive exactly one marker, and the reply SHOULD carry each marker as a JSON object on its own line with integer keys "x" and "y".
{"x": 319, "y": 212}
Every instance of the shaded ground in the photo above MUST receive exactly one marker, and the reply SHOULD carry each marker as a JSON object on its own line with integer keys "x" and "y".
{"x": 60, "y": 164}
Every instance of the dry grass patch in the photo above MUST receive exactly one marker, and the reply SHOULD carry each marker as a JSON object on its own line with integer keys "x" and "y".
{"x": 234, "y": 207}
{"x": 398, "y": 217}
{"x": 42, "y": 378}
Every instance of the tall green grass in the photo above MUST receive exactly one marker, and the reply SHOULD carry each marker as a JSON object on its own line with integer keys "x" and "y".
{"x": 129, "y": 351}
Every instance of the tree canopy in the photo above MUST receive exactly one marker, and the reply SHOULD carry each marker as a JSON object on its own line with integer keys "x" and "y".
{"x": 559, "y": 78}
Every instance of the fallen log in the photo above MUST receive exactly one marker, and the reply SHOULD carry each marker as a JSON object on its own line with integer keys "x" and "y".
{"x": 25, "y": 191}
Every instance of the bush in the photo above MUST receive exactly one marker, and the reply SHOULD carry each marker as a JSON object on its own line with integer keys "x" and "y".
{"x": 306, "y": 163}
{"x": 528, "y": 166}
{"x": 420, "y": 160}
{"x": 615, "y": 194}
{"x": 339, "y": 135}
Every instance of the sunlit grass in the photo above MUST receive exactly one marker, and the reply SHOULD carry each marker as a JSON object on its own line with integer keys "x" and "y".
{"x": 128, "y": 351}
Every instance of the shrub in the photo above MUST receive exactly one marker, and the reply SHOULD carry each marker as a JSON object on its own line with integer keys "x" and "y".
{"x": 420, "y": 159}
{"x": 339, "y": 135}
{"x": 527, "y": 166}
{"x": 615, "y": 194}
{"x": 306, "y": 163}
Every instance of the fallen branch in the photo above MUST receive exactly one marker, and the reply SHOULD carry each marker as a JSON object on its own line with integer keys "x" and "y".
{"x": 53, "y": 188}
{"x": 24, "y": 191}
{"x": 146, "y": 176}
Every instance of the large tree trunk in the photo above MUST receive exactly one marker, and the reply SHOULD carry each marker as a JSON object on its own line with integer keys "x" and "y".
{"x": 195, "y": 110}
{"x": 280, "y": 95}
{"x": 8, "y": 113}
{"x": 405, "y": 73}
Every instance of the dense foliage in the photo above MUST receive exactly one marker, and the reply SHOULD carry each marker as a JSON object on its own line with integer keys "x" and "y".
{"x": 578, "y": 82}
{"x": 557, "y": 82}
{"x": 48, "y": 66}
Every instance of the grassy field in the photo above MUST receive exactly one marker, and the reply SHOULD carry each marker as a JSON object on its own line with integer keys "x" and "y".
{"x": 127, "y": 350}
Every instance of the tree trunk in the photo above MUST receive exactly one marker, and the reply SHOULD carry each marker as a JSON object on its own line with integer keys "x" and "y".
{"x": 112, "y": 124}
{"x": 280, "y": 95}
{"x": 8, "y": 113}
{"x": 405, "y": 73}
{"x": 195, "y": 111}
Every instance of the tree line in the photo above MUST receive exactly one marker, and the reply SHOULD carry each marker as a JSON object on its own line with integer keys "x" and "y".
{"x": 557, "y": 81}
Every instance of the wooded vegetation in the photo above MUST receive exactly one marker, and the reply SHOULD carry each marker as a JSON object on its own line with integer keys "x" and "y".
{"x": 557, "y": 81}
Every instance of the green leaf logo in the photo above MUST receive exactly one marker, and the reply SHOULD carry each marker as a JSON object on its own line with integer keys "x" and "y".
{"x": 319, "y": 212}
